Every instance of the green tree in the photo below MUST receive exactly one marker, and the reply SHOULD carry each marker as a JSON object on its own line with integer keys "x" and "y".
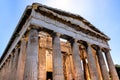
{"x": 118, "y": 69}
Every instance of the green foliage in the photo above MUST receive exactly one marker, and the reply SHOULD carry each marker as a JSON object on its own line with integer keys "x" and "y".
{"x": 118, "y": 69}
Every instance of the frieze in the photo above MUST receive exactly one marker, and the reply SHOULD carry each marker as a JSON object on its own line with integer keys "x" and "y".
{"x": 65, "y": 29}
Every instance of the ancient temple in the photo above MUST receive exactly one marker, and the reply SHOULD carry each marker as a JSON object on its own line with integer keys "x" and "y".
{"x": 51, "y": 44}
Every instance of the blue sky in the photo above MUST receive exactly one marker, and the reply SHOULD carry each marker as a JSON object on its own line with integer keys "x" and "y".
{"x": 104, "y": 14}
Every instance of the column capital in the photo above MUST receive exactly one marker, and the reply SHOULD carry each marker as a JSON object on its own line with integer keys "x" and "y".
{"x": 96, "y": 47}
{"x": 89, "y": 44}
{"x": 105, "y": 50}
{"x": 55, "y": 34}
{"x": 32, "y": 26}
{"x": 73, "y": 40}
{"x": 23, "y": 39}
{"x": 99, "y": 48}
{"x": 58, "y": 34}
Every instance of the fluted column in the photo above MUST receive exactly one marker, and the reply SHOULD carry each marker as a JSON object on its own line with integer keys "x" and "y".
{"x": 14, "y": 65}
{"x": 79, "y": 75}
{"x": 91, "y": 64}
{"x": 2, "y": 73}
{"x": 6, "y": 70}
{"x": 10, "y": 66}
{"x": 21, "y": 60}
{"x": 102, "y": 64}
{"x": 57, "y": 58}
{"x": 4, "y": 77}
{"x": 111, "y": 66}
{"x": 31, "y": 64}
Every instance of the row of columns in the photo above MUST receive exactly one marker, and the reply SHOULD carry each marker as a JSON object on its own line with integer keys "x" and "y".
{"x": 28, "y": 63}
{"x": 79, "y": 75}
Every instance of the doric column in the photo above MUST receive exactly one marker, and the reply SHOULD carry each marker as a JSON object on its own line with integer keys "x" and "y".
{"x": 102, "y": 64}
{"x": 14, "y": 64}
{"x": 57, "y": 58}
{"x": 111, "y": 66}
{"x": 6, "y": 71}
{"x": 91, "y": 64}
{"x": 31, "y": 64}
{"x": 4, "y": 77}
{"x": 10, "y": 66}
{"x": 21, "y": 60}
{"x": 2, "y": 73}
{"x": 79, "y": 75}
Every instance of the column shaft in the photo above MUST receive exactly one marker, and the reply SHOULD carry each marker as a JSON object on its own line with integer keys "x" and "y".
{"x": 6, "y": 71}
{"x": 21, "y": 60}
{"x": 4, "y": 77}
{"x": 79, "y": 75}
{"x": 102, "y": 64}
{"x": 31, "y": 64}
{"x": 14, "y": 65}
{"x": 91, "y": 64}
{"x": 2, "y": 73}
{"x": 111, "y": 66}
{"x": 10, "y": 66}
{"x": 57, "y": 59}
